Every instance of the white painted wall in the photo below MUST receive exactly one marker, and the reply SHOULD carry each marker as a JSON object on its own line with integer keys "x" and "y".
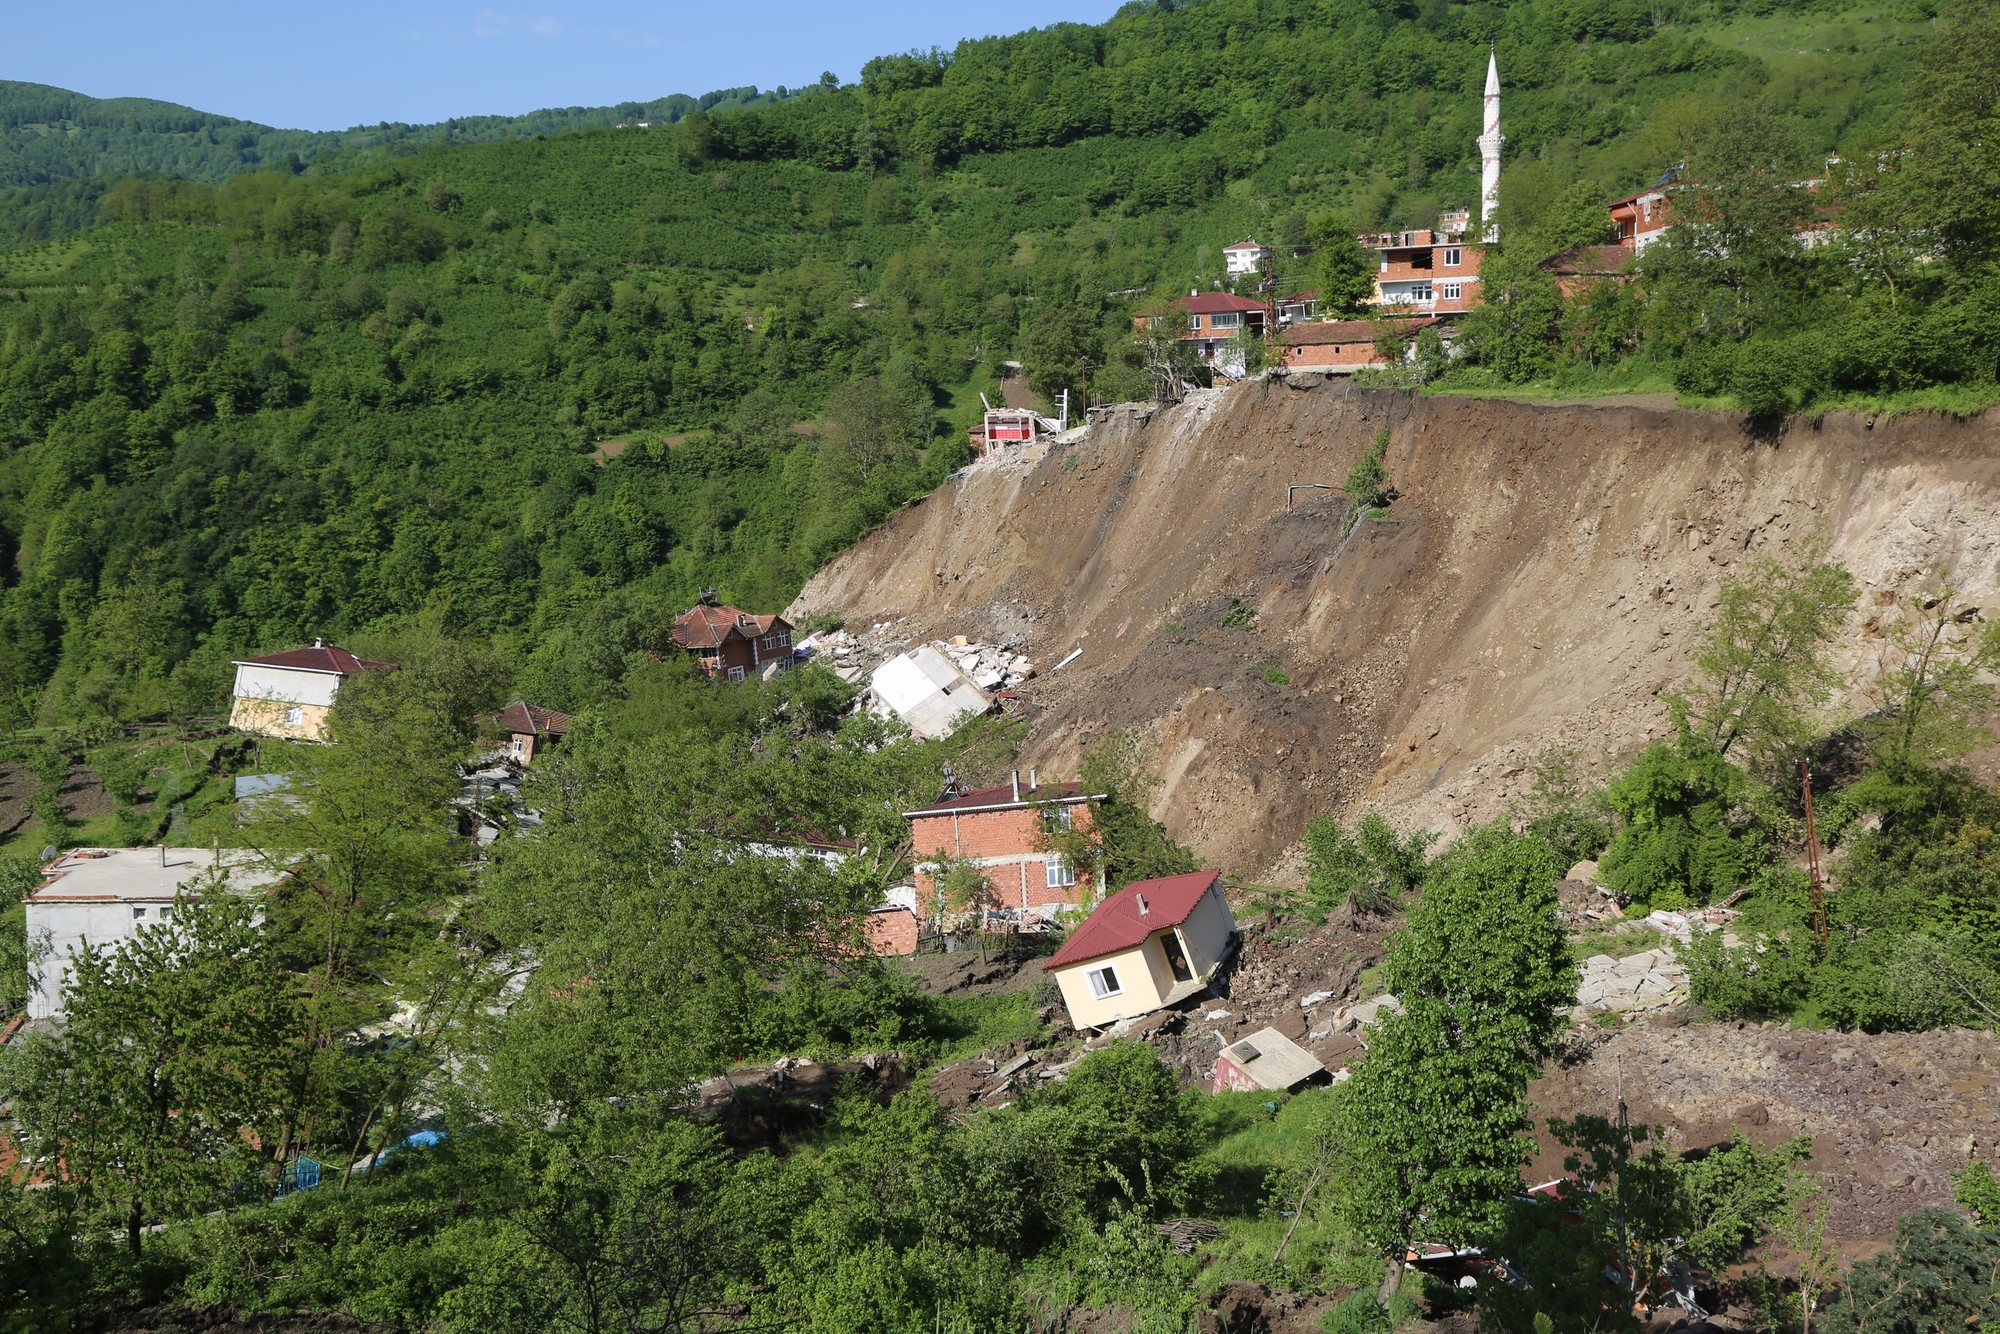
{"x": 927, "y": 691}
{"x": 283, "y": 683}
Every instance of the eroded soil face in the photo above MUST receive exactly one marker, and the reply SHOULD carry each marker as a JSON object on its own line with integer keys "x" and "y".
{"x": 1539, "y": 581}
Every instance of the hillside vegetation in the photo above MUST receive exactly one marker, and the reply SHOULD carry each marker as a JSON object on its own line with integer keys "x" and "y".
{"x": 299, "y": 403}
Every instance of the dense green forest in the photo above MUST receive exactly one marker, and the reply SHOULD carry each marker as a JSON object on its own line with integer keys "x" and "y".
{"x": 516, "y": 382}
{"x": 60, "y": 151}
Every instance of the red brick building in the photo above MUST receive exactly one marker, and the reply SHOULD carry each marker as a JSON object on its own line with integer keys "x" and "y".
{"x": 1346, "y": 346}
{"x": 1214, "y": 320}
{"x": 1005, "y": 831}
{"x": 530, "y": 728}
{"x": 1425, "y": 272}
{"x": 732, "y": 643}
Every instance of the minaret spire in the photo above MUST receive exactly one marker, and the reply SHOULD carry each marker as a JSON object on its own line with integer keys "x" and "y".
{"x": 1489, "y": 151}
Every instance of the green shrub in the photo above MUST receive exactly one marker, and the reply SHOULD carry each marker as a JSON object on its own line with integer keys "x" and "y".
{"x": 1359, "y": 1313}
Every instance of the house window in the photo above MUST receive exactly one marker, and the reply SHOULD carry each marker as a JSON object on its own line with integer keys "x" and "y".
{"x": 1055, "y": 819}
{"x": 165, "y": 913}
{"x": 138, "y": 914}
{"x": 1194, "y": 324}
{"x": 1227, "y": 320}
{"x": 1451, "y": 259}
{"x": 1421, "y": 292}
{"x": 736, "y": 673}
{"x": 1104, "y": 982}
{"x": 518, "y": 746}
{"x": 1451, "y": 291}
{"x": 294, "y": 716}
{"x": 1061, "y": 875}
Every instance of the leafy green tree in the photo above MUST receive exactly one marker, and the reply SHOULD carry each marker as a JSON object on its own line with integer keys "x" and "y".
{"x": 1515, "y": 329}
{"x": 1764, "y": 664}
{"x": 1122, "y": 841}
{"x": 1343, "y": 270}
{"x": 1368, "y": 481}
{"x": 1370, "y": 869}
{"x": 174, "y": 1051}
{"x": 1938, "y": 1273}
{"x": 1682, "y": 839}
{"x": 1436, "y": 1112}
{"x": 1060, "y": 347}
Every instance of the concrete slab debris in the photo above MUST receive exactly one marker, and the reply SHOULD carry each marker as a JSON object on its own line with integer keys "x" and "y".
{"x": 1266, "y": 1060}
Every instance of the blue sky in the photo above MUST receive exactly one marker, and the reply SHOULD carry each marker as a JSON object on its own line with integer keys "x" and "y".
{"x": 329, "y": 66}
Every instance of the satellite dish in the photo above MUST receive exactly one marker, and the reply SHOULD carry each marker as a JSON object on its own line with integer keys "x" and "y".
{"x": 48, "y": 852}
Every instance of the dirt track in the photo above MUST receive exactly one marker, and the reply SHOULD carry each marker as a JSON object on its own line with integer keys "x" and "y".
{"x": 1541, "y": 580}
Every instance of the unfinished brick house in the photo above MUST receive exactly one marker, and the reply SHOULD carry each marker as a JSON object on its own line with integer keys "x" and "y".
{"x": 1005, "y": 831}
{"x": 732, "y": 643}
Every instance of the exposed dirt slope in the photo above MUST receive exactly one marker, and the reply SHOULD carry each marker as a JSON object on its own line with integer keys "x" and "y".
{"x": 1543, "y": 576}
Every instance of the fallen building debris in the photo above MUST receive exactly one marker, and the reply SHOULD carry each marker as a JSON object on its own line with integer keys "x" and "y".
{"x": 1266, "y": 1060}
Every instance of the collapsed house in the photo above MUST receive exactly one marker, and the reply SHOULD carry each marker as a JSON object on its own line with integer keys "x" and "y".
{"x": 1153, "y": 944}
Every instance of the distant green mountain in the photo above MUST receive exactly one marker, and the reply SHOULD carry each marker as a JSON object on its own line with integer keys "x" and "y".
{"x": 59, "y": 149}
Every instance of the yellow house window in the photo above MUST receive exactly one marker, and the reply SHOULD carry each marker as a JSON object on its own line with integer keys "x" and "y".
{"x": 294, "y": 716}
{"x": 1104, "y": 982}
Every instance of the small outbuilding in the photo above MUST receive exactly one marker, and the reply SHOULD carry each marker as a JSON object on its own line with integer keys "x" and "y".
{"x": 1266, "y": 1060}
{"x": 1153, "y": 944}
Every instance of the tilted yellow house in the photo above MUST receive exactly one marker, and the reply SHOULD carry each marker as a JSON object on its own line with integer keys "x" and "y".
{"x": 1152, "y": 944}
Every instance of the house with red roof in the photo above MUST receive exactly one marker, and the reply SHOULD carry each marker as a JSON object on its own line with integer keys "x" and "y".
{"x": 1244, "y": 257}
{"x": 732, "y": 643}
{"x": 530, "y": 728}
{"x": 1009, "y": 833}
{"x": 1153, "y": 944}
{"x": 1214, "y": 320}
{"x": 290, "y": 694}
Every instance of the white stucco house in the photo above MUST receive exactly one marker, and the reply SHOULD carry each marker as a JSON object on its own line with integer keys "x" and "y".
{"x": 289, "y": 694}
{"x": 102, "y": 896}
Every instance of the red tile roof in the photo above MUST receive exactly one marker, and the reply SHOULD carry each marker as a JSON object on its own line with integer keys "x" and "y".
{"x": 1352, "y": 331}
{"x": 523, "y": 717}
{"x": 1590, "y": 259}
{"x": 318, "y": 658}
{"x": 1216, "y": 303}
{"x": 706, "y": 625}
{"x": 1117, "y": 925}
{"x": 1244, "y": 245}
{"x": 980, "y": 798}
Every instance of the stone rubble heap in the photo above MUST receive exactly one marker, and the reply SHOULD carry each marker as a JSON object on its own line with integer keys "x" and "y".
{"x": 991, "y": 666}
{"x": 855, "y": 654}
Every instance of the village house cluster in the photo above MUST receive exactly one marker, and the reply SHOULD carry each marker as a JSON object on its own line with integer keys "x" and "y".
{"x": 1423, "y": 278}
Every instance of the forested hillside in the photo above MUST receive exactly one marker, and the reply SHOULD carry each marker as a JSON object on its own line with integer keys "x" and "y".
{"x": 302, "y": 402}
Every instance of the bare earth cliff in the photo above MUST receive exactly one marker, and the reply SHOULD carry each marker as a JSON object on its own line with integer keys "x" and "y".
{"x": 1540, "y": 580}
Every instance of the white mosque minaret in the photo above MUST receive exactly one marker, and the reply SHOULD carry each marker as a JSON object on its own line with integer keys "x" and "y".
{"x": 1489, "y": 153}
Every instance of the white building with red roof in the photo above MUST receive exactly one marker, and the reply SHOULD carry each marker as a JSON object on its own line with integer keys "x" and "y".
{"x": 290, "y": 694}
{"x": 1245, "y": 257}
{"x": 1153, "y": 944}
